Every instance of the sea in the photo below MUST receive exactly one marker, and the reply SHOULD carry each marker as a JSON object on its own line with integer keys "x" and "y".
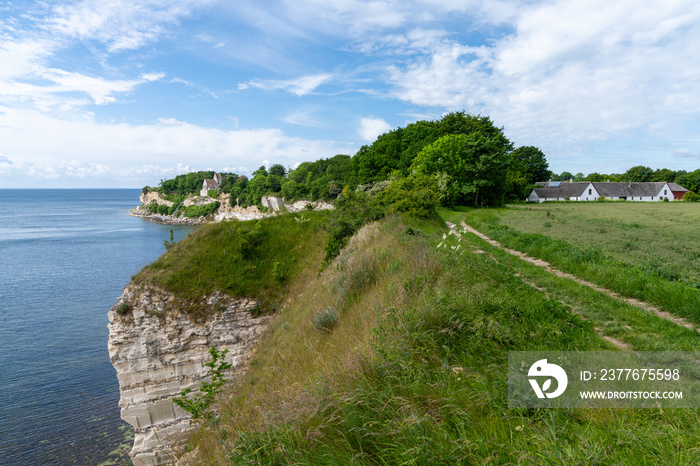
{"x": 65, "y": 256}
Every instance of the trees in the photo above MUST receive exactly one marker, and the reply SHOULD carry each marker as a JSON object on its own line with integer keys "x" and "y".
{"x": 595, "y": 177}
{"x": 469, "y": 168}
{"x": 278, "y": 170}
{"x": 397, "y": 149}
{"x": 638, "y": 174}
{"x": 531, "y": 162}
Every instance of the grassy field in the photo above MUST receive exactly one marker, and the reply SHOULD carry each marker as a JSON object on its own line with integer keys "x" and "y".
{"x": 657, "y": 235}
{"x": 565, "y": 240}
{"x": 414, "y": 369}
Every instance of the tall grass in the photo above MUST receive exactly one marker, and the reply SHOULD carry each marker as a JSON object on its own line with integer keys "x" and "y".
{"x": 415, "y": 372}
{"x": 644, "y": 282}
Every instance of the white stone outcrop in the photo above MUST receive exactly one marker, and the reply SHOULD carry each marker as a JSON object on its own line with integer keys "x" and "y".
{"x": 225, "y": 211}
{"x": 158, "y": 351}
{"x": 147, "y": 198}
{"x": 198, "y": 201}
{"x": 272, "y": 203}
{"x": 303, "y": 205}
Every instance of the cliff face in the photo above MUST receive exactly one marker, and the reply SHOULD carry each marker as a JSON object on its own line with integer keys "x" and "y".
{"x": 151, "y": 196}
{"x": 158, "y": 351}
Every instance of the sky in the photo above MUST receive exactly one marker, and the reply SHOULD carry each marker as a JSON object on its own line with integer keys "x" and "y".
{"x": 126, "y": 93}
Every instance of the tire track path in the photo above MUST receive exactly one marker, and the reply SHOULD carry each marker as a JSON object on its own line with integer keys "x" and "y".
{"x": 545, "y": 265}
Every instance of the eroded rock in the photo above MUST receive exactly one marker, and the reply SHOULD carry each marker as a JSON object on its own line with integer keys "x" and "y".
{"x": 157, "y": 351}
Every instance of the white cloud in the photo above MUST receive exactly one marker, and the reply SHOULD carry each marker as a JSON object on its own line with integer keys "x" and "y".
{"x": 370, "y": 128}
{"x": 686, "y": 154}
{"x": 43, "y": 147}
{"x": 120, "y": 24}
{"x": 359, "y": 16}
{"x": 299, "y": 86}
{"x": 57, "y": 82}
{"x": 27, "y": 49}
{"x": 573, "y": 72}
{"x": 304, "y": 117}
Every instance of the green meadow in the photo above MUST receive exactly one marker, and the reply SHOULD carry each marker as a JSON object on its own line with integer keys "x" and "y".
{"x": 656, "y": 235}
{"x": 624, "y": 247}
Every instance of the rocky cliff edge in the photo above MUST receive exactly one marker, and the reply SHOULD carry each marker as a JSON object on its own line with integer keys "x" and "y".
{"x": 158, "y": 351}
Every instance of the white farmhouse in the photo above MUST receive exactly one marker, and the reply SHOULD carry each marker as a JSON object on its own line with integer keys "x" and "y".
{"x": 590, "y": 191}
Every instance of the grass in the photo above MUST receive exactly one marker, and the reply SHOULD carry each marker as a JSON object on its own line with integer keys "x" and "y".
{"x": 649, "y": 281}
{"x": 258, "y": 259}
{"x": 415, "y": 369}
{"x": 663, "y": 237}
{"x": 639, "y": 329}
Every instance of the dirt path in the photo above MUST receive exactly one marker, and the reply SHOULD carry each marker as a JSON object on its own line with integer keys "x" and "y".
{"x": 545, "y": 265}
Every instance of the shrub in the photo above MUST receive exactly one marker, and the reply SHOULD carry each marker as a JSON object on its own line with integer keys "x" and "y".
{"x": 352, "y": 211}
{"x": 690, "y": 196}
{"x": 198, "y": 405}
{"x": 123, "y": 309}
{"x": 202, "y": 210}
{"x": 278, "y": 272}
{"x": 213, "y": 193}
{"x": 416, "y": 196}
{"x": 326, "y": 321}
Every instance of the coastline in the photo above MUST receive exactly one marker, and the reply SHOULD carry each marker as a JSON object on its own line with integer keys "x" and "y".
{"x": 139, "y": 211}
{"x": 225, "y": 212}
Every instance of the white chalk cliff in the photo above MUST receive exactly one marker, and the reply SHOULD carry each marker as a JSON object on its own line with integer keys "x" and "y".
{"x": 159, "y": 350}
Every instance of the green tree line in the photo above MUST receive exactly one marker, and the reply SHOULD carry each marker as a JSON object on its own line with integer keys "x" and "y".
{"x": 468, "y": 159}
{"x": 471, "y": 161}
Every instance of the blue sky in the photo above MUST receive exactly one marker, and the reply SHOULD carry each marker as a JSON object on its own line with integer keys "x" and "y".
{"x": 124, "y": 93}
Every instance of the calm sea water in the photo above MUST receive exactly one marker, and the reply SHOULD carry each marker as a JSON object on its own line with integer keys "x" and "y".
{"x": 65, "y": 256}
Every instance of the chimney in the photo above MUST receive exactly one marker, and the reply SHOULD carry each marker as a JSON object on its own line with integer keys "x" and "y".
{"x": 571, "y": 180}
{"x": 629, "y": 185}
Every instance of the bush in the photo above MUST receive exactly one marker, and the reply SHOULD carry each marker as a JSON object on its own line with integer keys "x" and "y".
{"x": 123, "y": 309}
{"x": 198, "y": 405}
{"x": 352, "y": 211}
{"x": 278, "y": 272}
{"x": 201, "y": 210}
{"x": 326, "y": 321}
{"x": 416, "y": 196}
{"x": 690, "y": 196}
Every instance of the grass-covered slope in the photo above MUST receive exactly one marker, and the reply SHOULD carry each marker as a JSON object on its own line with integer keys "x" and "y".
{"x": 412, "y": 369}
{"x": 257, "y": 259}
